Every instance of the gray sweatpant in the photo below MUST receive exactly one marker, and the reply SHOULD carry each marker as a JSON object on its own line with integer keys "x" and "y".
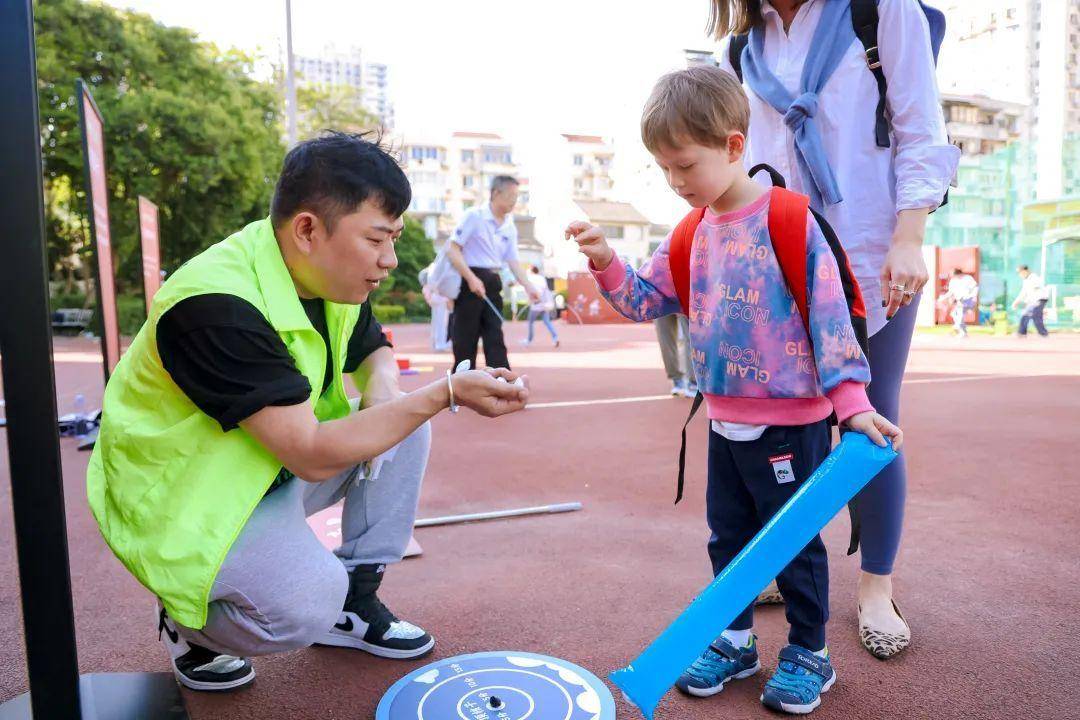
{"x": 279, "y": 588}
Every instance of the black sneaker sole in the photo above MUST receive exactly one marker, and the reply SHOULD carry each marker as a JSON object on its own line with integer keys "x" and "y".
{"x": 214, "y": 686}
{"x": 335, "y": 640}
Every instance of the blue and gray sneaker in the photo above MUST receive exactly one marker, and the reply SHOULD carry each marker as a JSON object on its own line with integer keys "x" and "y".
{"x": 800, "y": 679}
{"x": 720, "y": 663}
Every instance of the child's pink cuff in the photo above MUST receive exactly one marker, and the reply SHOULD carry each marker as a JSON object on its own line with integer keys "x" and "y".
{"x": 849, "y": 398}
{"x": 612, "y": 277}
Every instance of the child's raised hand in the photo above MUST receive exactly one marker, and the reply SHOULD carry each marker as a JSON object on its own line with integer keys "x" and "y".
{"x": 876, "y": 428}
{"x": 591, "y": 243}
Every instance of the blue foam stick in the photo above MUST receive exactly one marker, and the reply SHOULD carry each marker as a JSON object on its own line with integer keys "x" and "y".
{"x": 845, "y": 471}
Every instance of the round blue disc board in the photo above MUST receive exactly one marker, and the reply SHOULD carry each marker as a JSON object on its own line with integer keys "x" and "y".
{"x": 498, "y": 686}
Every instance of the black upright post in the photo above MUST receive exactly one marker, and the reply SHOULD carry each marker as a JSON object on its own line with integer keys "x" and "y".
{"x": 57, "y": 692}
{"x": 37, "y": 489}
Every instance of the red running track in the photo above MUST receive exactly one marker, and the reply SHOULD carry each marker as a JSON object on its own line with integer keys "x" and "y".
{"x": 987, "y": 577}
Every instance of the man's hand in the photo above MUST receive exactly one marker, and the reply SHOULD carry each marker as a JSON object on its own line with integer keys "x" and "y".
{"x": 876, "y": 427}
{"x": 534, "y": 296}
{"x": 477, "y": 286}
{"x": 491, "y": 392}
{"x": 317, "y": 451}
{"x": 591, "y": 243}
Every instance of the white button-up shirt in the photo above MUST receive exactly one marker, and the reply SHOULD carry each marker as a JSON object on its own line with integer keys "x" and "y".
{"x": 1033, "y": 290}
{"x": 875, "y": 183}
{"x": 484, "y": 241}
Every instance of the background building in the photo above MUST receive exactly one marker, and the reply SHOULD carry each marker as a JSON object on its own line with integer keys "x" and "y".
{"x": 626, "y": 229}
{"x": 453, "y": 174}
{"x": 589, "y": 160}
{"x": 346, "y": 68}
{"x": 979, "y": 125}
{"x": 475, "y": 159}
{"x": 1028, "y": 52}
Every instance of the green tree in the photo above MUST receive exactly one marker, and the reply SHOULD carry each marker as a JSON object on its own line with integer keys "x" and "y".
{"x": 339, "y": 108}
{"x": 185, "y": 125}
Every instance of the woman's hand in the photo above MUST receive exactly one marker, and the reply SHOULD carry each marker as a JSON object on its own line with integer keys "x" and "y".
{"x": 904, "y": 272}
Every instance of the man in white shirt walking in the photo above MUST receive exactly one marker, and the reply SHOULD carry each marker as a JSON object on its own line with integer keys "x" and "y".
{"x": 482, "y": 244}
{"x": 1033, "y": 296}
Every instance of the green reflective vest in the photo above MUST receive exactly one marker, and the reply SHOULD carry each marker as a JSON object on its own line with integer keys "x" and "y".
{"x": 169, "y": 489}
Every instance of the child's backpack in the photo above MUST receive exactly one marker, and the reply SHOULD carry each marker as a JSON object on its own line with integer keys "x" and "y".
{"x": 787, "y": 231}
{"x": 864, "y": 20}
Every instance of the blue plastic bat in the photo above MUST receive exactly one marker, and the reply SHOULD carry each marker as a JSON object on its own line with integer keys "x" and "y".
{"x": 847, "y": 469}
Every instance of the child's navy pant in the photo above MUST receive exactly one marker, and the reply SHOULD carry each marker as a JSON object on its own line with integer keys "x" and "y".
{"x": 748, "y": 482}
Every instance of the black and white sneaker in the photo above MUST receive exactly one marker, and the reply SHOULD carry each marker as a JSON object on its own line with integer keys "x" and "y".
{"x": 366, "y": 624}
{"x": 200, "y": 668}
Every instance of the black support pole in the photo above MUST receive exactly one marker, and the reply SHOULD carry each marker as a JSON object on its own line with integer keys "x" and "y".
{"x": 37, "y": 489}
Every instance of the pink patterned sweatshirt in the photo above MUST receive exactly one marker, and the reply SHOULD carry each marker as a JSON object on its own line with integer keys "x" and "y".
{"x": 754, "y": 361}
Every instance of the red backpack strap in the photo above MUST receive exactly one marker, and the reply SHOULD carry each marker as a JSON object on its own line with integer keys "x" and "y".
{"x": 682, "y": 239}
{"x": 787, "y": 230}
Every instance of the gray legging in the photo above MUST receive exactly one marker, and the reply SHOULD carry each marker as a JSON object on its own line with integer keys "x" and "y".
{"x": 881, "y": 503}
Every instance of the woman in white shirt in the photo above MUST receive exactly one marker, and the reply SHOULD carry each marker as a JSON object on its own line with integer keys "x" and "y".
{"x": 876, "y": 198}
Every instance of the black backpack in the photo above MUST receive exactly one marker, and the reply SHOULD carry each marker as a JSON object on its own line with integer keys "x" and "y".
{"x": 864, "y": 20}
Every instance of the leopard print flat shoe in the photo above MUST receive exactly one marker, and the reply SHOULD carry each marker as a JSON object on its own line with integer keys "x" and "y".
{"x": 770, "y": 596}
{"x": 884, "y": 645}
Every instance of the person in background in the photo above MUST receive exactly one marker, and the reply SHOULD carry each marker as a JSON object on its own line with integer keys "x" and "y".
{"x": 440, "y": 310}
{"x": 484, "y": 242}
{"x": 963, "y": 295}
{"x": 440, "y": 317}
{"x": 541, "y": 310}
{"x": 673, "y": 334}
{"x": 1033, "y": 297}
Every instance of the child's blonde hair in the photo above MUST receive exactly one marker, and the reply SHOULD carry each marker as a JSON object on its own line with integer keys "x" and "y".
{"x": 701, "y": 104}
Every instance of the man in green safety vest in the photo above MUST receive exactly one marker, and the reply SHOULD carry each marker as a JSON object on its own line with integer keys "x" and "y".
{"x": 227, "y": 423}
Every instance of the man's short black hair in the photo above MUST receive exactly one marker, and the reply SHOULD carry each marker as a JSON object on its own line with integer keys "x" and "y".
{"x": 1023, "y": 268}
{"x": 500, "y": 182}
{"x": 957, "y": 271}
{"x": 333, "y": 174}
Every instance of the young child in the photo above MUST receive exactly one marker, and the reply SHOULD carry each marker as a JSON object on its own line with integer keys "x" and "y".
{"x": 961, "y": 295}
{"x": 542, "y": 308}
{"x": 769, "y": 384}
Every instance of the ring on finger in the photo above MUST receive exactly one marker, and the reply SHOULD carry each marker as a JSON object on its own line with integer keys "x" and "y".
{"x": 896, "y": 286}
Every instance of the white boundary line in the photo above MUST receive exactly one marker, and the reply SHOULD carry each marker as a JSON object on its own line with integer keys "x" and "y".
{"x": 605, "y": 401}
{"x": 963, "y": 378}
{"x": 652, "y": 398}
